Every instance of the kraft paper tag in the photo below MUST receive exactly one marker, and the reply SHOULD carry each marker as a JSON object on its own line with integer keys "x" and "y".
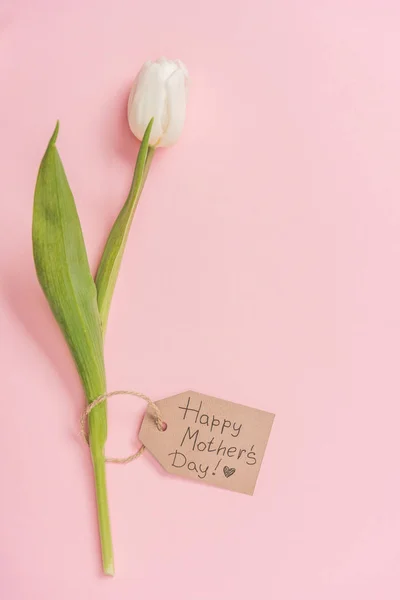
{"x": 209, "y": 440}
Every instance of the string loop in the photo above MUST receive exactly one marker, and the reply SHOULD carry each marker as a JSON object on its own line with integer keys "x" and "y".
{"x": 157, "y": 418}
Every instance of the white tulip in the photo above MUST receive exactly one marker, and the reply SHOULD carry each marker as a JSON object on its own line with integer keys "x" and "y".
{"x": 159, "y": 92}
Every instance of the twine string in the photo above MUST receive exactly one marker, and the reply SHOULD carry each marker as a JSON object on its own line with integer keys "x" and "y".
{"x": 156, "y": 413}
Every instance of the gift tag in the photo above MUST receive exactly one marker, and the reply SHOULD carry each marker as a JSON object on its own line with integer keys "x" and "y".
{"x": 209, "y": 440}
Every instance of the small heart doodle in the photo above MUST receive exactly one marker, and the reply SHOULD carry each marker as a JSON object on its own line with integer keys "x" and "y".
{"x": 229, "y": 471}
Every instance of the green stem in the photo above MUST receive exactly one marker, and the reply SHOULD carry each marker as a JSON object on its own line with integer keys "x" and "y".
{"x": 99, "y": 468}
{"x": 105, "y": 283}
{"x": 97, "y": 438}
{"x": 98, "y": 453}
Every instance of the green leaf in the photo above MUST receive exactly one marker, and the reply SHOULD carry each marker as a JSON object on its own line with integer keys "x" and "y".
{"x": 63, "y": 271}
{"x": 110, "y": 263}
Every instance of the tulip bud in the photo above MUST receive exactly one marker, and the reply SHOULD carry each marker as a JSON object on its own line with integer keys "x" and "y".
{"x": 160, "y": 92}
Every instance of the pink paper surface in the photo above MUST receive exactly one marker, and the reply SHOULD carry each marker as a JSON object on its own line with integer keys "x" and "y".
{"x": 263, "y": 267}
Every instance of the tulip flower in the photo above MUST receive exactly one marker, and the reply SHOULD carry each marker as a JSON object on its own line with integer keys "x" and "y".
{"x": 160, "y": 93}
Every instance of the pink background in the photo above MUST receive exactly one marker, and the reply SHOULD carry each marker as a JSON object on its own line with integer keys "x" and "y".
{"x": 263, "y": 267}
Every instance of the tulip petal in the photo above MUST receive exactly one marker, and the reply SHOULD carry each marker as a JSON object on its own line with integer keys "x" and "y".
{"x": 176, "y": 92}
{"x": 168, "y": 67}
{"x": 147, "y": 101}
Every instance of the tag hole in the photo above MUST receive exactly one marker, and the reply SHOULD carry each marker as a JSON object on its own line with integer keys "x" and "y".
{"x": 164, "y": 427}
